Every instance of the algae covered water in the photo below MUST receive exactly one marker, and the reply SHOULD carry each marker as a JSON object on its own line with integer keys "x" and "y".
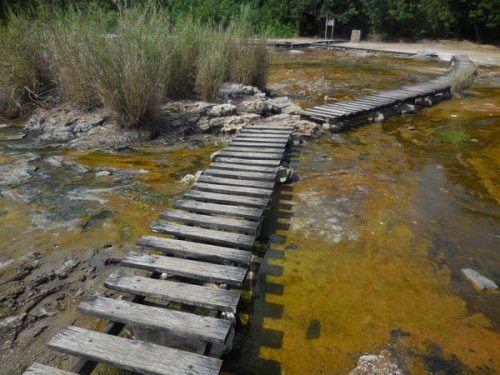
{"x": 381, "y": 222}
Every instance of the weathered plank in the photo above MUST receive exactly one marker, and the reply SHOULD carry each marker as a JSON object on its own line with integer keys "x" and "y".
{"x": 290, "y": 128}
{"x": 210, "y": 221}
{"x": 240, "y": 167}
{"x": 233, "y": 200}
{"x": 38, "y": 369}
{"x": 263, "y": 149}
{"x": 191, "y": 326}
{"x": 263, "y": 131}
{"x": 132, "y": 355}
{"x": 166, "y": 290}
{"x": 207, "y": 272}
{"x": 268, "y": 137}
{"x": 195, "y": 250}
{"x": 236, "y": 182}
{"x": 260, "y": 140}
{"x": 250, "y": 155}
{"x": 234, "y": 190}
{"x": 258, "y": 145}
{"x": 217, "y": 237}
{"x": 261, "y": 163}
{"x": 220, "y": 209}
{"x": 259, "y": 176}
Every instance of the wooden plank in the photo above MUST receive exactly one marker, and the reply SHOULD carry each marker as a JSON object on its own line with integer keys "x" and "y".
{"x": 191, "y": 326}
{"x": 195, "y": 250}
{"x": 240, "y": 167}
{"x": 315, "y": 114}
{"x": 273, "y": 137}
{"x": 236, "y": 182}
{"x": 220, "y": 209}
{"x": 262, "y": 131}
{"x": 259, "y": 176}
{"x": 281, "y": 146}
{"x": 132, "y": 355}
{"x": 260, "y": 140}
{"x": 210, "y": 221}
{"x": 233, "y": 200}
{"x": 348, "y": 106}
{"x": 262, "y": 150}
{"x": 234, "y": 190}
{"x": 217, "y": 237}
{"x": 265, "y": 163}
{"x": 270, "y": 127}
{"x": 335, "y": 112}
{"x": 166, "y": 290}
{"x": 206, "y": 272}
{"x": 38, "y": 369}
{"x": 250, "y": 155}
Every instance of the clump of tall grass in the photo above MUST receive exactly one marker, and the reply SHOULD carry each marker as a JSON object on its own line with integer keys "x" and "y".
{"x": 462, "y": 79}
{"x": 24, "y": 73}
{"x": 452, "y": 136}
{"x": 129, "y": 61}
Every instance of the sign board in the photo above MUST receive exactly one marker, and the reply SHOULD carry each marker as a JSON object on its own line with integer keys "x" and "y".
{"x": 330, "y": 22}
{"x": 356, "y": 36}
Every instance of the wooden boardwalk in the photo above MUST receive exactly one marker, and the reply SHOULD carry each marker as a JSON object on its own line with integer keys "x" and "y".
{"x": 186, "y": 287}
{"x": 392, "y": 101}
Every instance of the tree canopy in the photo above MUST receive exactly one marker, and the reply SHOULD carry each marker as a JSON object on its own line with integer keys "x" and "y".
{"x": 388, "y": 19}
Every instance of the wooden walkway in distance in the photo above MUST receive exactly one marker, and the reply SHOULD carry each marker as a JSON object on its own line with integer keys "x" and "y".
{"x": 196, "y": 271}
{"x": 391, "y": 100}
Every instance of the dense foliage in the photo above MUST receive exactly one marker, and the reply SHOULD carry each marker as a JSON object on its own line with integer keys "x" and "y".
{"x": 472, "y": 19}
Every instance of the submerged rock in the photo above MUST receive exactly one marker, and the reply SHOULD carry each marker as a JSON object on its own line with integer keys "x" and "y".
{"x": 372, "y": 364}
{"x": 479, "y": 281}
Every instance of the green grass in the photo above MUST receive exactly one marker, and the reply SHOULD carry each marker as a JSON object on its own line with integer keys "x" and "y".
{"x": 452, "y": 136}
{"x": 130, "y": 62}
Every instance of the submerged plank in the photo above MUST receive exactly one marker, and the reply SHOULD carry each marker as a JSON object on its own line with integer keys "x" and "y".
{"x": 165, "y": 290}
{"x": 132, "y": 355}
{"x": 220, "y": 209}
{"x": 191, "y": 326}
{"x": 210, "y": 221}
{"x": 217, "y": 237}
{"x": 195, "y": 250}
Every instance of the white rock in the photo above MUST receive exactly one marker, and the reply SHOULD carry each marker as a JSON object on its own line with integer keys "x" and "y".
{"x": 188, "y": 179}
{"x": 479, "y": 281}
{"x": 222, "y": 110}
{"x": 103, "y": 174}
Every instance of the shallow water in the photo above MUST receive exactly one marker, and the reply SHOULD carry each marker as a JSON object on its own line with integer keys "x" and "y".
{"x": 382, "y": 221}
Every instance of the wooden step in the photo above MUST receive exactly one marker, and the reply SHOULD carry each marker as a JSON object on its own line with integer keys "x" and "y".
{"x": 261, "y": 163}
{"x": 232, "y": 200}
{"x": 234, "y": 190}
{"x": 247, "y": 139}
{"x": 263, "y": 131}
{"x": 206, "y": 272}
{"x": 217, "y": 237}
{"x": 195, "y": 250}
{"x": 241, "y": 167}
{"x": 250, "y": 155}
{"x": 262, "y": 150}
{"x": 269, "y": 137}
{"x": 237, "y": 182}
{"x": 166, "y": 290}
{"x": 290, "y": 128}
{"x": 191, "y": 326}
{"x": 132, "y": 355}
{"x": 259, "y": 176}
{"x": 220, "y": 209}
{"x": 280, "y": 146}
{"x": 212, "y": 222}
{"x": 38, "y": 369}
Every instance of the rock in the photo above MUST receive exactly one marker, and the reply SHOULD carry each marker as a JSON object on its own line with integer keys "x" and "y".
{"x": 314, "y": 329}
{"x": 65, "y": 268}
{"x": 110, "y": 261}
{"x": 235, "y": 90}
{"x": 372, "y": 364}
{"x": 296, "y": 52}
{"x": 379, "y": 117}
{"x": 226, "y": 124}
{"x": 103, "y": 174}
{"x": 479, "y": 281}
{"x": 306, "y": 128}
{"x": 92, "y": 222}
{"x": 259, "y": 106}
{"x": 325, "y": 126}
{"x": 55, "y": 161}
{"x": 222, "y": 110}
{"x": 407, "y": 109}
{"x": 188, "y": 179}
{"x": 18, "y": 171}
